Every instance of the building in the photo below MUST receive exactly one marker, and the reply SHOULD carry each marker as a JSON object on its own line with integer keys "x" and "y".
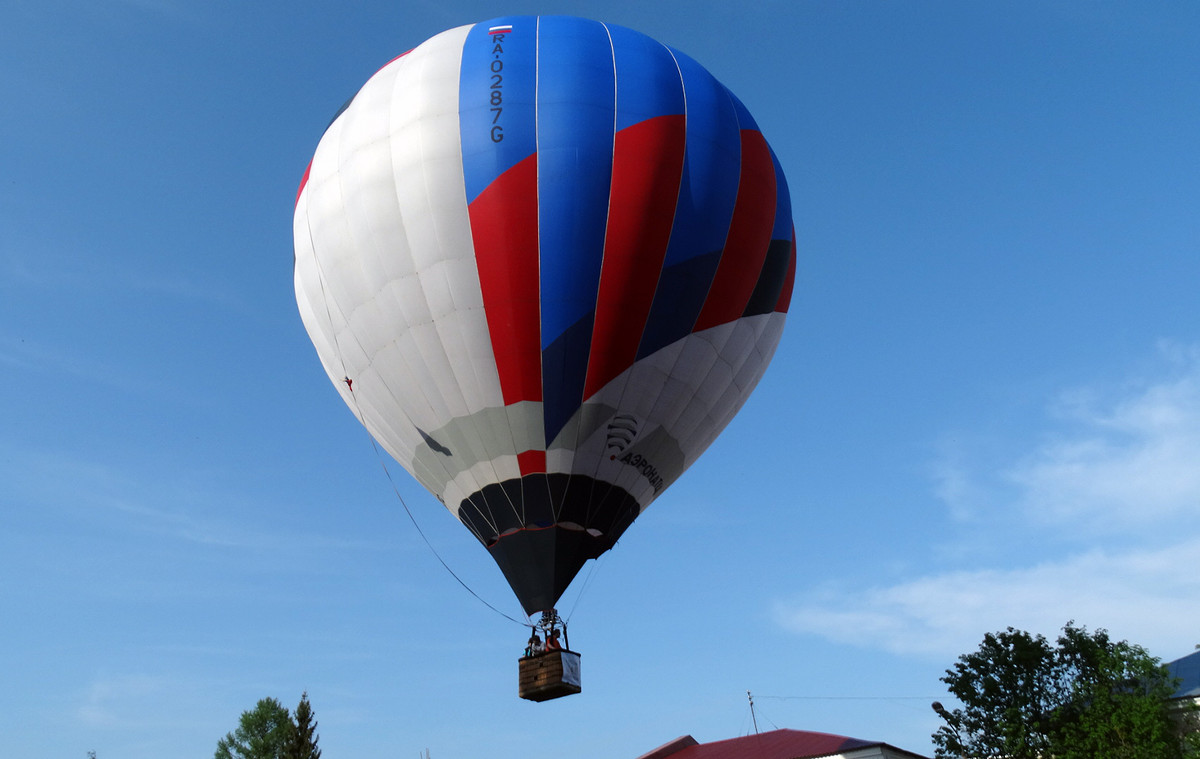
{"x": 780, "y": 744}
{"x": 1185, "y": 702}
{"x": 1187, "y": 670}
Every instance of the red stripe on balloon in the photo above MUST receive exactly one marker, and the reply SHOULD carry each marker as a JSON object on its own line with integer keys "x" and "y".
{"x": 504, "y": 223}
{"x": 647, "y": 168}
{"x": 303, "y": 182}
{"x": 748, "y": 239}
{"x": 398, "y": 57}
{"x": 532, "y": 462}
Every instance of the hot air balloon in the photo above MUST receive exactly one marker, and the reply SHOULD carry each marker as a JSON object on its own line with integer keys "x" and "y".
{"x": 544, "y": 260}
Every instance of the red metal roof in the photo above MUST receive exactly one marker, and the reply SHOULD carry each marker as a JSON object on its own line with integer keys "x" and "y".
{"x": 777, "y": 744}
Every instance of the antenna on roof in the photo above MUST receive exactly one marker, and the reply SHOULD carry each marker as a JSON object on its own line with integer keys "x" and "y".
{"x": 752, "y": 717}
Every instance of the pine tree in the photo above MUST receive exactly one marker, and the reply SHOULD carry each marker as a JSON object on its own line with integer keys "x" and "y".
{"x": 302, "y": 742}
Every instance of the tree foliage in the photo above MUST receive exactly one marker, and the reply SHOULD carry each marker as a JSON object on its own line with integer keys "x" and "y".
{"x": 1117, "y": 705}
{"x": 1088, "y": 697}
{"x": 1006, "y": 687}
{"x": 302, "y": 743}
{"x": 268, "y": 732}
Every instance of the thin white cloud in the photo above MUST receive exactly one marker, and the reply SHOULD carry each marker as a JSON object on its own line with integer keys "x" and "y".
{"x": 1149, "y": 597}
{"x": 1117, "y": 471}
{"x": 1133, "y": 461}
{"x": 122, "y": 701}
{"x": 48, "y": 479}
{"x": 956, "y": 485}
{"x": 1104, "y": 460}
{"x": 173, "y": 506}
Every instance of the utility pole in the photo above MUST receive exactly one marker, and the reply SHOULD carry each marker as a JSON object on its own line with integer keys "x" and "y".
{"x": 752, "y": 717}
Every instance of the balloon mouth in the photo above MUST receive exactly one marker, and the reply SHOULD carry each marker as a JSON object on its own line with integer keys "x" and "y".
{"x": 542, "y": 552}
{"x": 569, "y": 526}
{"x": 536, "y": 527}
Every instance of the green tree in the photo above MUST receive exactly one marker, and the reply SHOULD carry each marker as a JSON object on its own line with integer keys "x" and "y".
{"x": 302, "y": 743}
{"x": 1116, "y": 704}
{"x": 261, "y": 733}
{"x": 1086, "y": 698}
{"x": 1006, "y": 689}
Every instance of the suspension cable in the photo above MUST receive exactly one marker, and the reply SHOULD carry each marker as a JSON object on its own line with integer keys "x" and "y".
{"x": 375, "y": 445}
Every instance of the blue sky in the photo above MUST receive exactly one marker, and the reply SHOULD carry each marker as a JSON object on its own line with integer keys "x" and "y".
{"x": 985, "y": 410}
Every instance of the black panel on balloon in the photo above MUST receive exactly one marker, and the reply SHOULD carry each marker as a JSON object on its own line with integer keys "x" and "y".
{"x": 771, "y": 279}
{"x": 536, "y": 501}
{"x": 540, "y": 557}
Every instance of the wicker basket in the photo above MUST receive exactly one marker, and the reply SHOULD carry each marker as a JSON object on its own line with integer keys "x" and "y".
{"x": 550, "y": 675}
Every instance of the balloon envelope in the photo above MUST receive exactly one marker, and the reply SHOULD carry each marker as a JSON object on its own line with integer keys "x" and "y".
{"x": 544, "y": 260}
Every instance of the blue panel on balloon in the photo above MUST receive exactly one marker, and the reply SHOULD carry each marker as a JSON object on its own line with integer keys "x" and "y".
{"x": 712, "y": 165}
{"x": 497, "y": 89}
{"x": 576, "y": 93}
{"x": 648, "y": 82}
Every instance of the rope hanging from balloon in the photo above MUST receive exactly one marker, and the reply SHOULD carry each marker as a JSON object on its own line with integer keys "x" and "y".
{"x": 438, "y": 556}
{"x": 379, "y": 453}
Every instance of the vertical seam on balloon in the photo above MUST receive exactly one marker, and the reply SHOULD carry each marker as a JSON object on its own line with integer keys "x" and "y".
{"x": 322, "y": 279}
{"x": 592, "y": 505}
{"x": 374, "y": 444}
{"x": 737, "y": 321}
{"x": 386, "y": 387}
{"x": 477, "y": 487}
{"x": 537, "y": 192}
{"x": 612, "y": 151}
{"x": 631, "y": 477}
{"x": 679, "y": 184}
{"x": 419, "y": 63}
{"x": 334, "y": 333}
{"x": 508, "y": 399}
{"x": 450, "y": 476}
{"x": 443, "y": 391}
{"x": 682, "y": 170}
{"x": 718, "y": 339}
{"x": 732, "y": 216}
{"x": 487, "y": 461}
